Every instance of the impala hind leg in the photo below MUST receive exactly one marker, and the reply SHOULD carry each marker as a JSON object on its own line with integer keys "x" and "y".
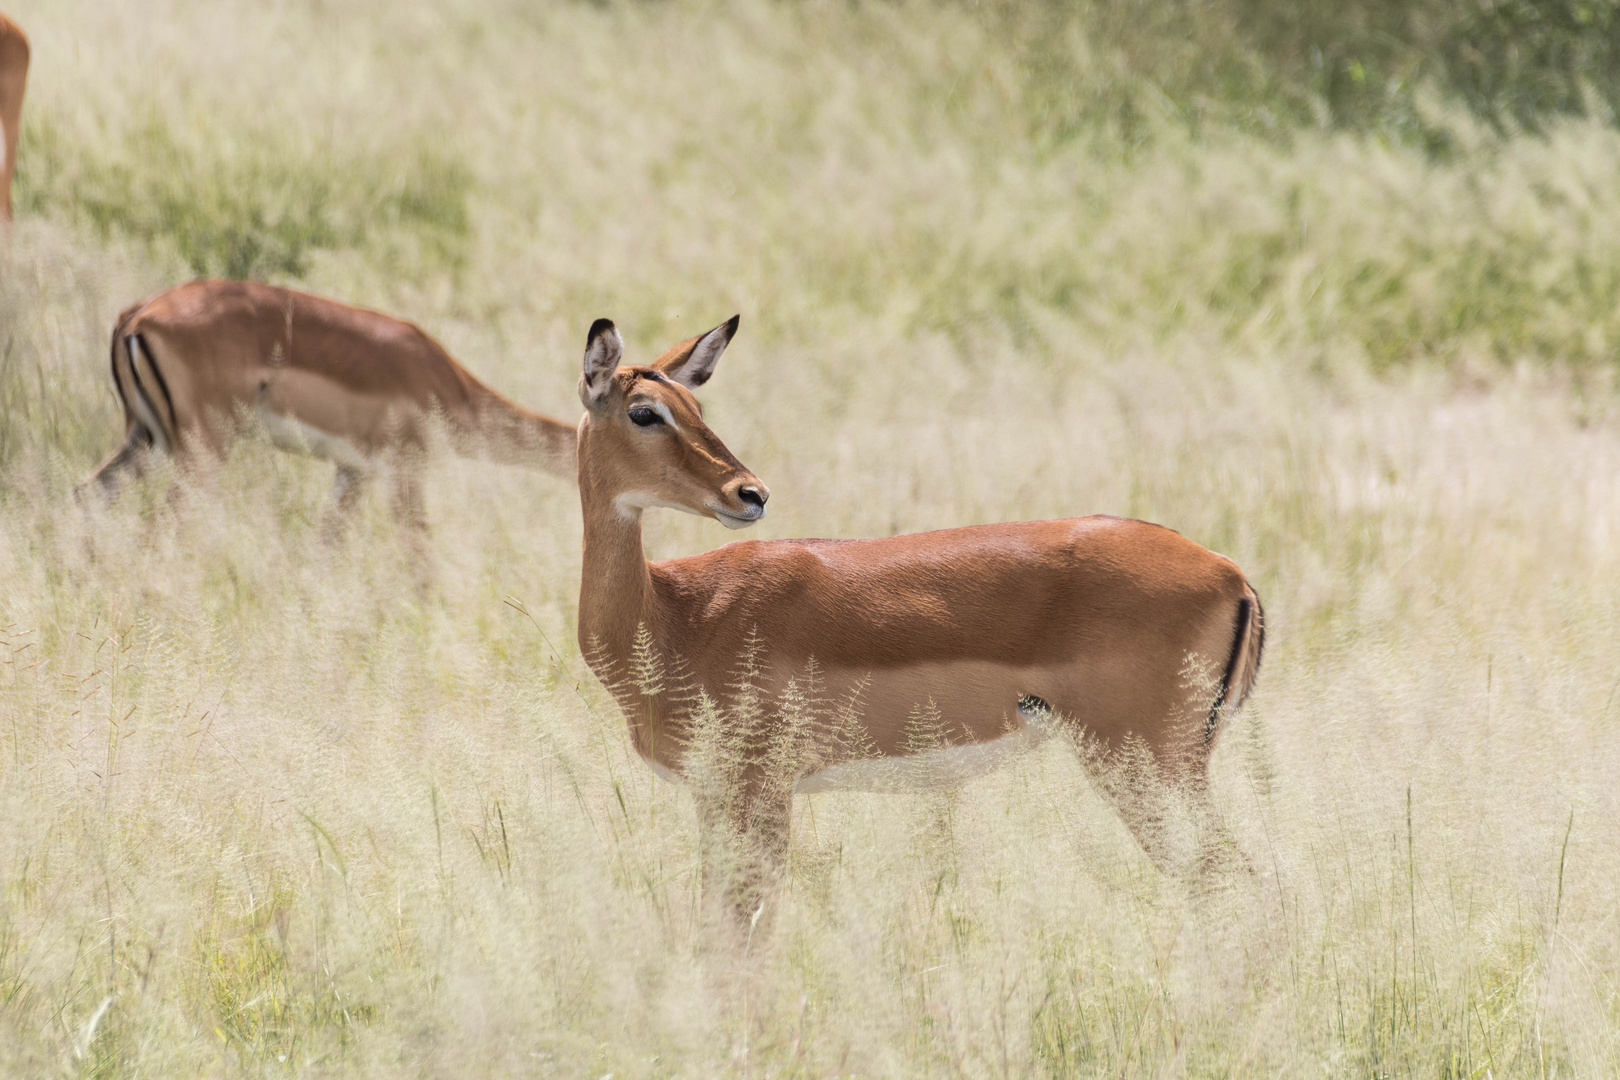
{"x": 1128, "y": 777}
{"x": 128, "y": 462}
{"x": 1167, "y": 808}
{"x": 1217, "y": 852}
{"x": 1164, "y": 804}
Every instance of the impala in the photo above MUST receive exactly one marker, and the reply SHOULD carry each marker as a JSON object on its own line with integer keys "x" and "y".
{"x": 880, "y": 664}
{"x": 343, "y": 383}
{"x": 13, "y": 80}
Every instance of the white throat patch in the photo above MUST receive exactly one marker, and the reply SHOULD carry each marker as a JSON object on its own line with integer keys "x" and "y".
{"x": 632, "y": 503}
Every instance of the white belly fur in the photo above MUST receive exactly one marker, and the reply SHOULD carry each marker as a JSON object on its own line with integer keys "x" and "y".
{"x": 946, "y": 767}
{"x": 290, "y": 433}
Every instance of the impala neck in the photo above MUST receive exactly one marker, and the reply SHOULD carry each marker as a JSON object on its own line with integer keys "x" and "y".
{"x": 508, "y": 434}
{"x": 615, "y": 591}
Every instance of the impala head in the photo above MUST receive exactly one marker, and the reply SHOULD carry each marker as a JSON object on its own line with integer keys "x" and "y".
{"x": 643, "y": 441}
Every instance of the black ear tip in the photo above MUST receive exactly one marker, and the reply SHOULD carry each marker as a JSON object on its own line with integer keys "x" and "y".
{"x": 598, "y": 328}
{"x": 731, "y": 325}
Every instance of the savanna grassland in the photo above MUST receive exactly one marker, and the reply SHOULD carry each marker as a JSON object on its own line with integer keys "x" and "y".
{"x": 1335, "y": 298}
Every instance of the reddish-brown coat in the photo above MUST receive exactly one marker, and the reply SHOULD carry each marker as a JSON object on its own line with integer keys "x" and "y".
{"x": 1128, "y": 633}
{"x": 13, "y": 82}
{"x": 372, "y": 381}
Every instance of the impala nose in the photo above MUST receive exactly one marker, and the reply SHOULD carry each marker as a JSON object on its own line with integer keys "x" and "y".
{"x": 749, "y": 498}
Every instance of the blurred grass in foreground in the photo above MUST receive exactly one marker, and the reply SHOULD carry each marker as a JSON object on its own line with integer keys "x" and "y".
{"x": 267, "y": 808}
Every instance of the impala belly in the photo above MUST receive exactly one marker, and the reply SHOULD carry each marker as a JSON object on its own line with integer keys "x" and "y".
{"x": 292, "y": 434}
{"x": 945, "y": 767}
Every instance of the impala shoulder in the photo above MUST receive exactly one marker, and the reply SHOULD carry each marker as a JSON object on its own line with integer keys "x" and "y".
{"x": 768, "y": 556}
{"x": 759, "y": 570}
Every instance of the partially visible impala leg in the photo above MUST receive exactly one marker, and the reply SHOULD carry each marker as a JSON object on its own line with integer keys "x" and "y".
{"x": 1165, "y": 804}
{"x": 348, "y": 487}
{"x": 129, "y": 461}
{"x": 410, "y": 510}
{"x": 1150, "y": 754}
{"x": 409, "y": 506}
{"x": 1217, "y": 851}
{"x": 743, "y": 835}
{"x": 1159, "y": 790}
{"x": 1126, "y": 775}
{"x": 196, "y": 477}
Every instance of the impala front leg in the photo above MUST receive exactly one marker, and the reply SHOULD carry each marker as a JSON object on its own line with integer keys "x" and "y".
{"x": 743, "y": 841}
{"x": 348, "y": 487}
{"x": 410, "y": 510}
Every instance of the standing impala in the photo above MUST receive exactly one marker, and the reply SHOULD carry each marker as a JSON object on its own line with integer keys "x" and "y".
{"x": 13, "y": 80}
{"x": 340, "y": 382}
{"x": 878, "y": 664}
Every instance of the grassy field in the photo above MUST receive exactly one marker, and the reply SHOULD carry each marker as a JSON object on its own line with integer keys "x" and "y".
{"x": 269, "y": 808}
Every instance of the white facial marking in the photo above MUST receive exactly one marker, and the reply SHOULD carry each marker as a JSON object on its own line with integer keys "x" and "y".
{"x": 662, "y": 410}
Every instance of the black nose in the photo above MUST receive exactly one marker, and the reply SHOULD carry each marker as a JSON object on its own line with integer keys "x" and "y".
{"x": 753, "y": 496}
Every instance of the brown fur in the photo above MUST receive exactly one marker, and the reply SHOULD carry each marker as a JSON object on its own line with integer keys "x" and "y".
{"x": 1097, "y": 617}
{"x": 13, "y": 81}
{"x": 210, "y": 350}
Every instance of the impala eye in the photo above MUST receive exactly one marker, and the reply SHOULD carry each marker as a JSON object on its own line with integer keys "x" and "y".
{"x": 642, "y": 416}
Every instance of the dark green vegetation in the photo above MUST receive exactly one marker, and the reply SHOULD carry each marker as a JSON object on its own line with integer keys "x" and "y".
{"x": 1499, "y": 245}
{"x": 238, "y": 199}
{"x": 1379, "y": 65}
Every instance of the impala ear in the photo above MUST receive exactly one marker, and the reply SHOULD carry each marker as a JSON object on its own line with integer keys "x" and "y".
{"x": 692, "y": 362}
{"x": 603, "y": 351}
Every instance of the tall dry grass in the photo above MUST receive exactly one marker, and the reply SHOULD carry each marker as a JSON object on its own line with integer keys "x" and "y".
{"x": 267, "y": 806}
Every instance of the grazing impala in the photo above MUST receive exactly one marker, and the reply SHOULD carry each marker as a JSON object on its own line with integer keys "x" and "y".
{"x": 340, "y": 382}
{"x": 879, "y": 664}
{"x": 13, "y": 80}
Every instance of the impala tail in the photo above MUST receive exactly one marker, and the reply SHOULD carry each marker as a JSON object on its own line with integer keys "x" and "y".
{"x": 1248, "y": 642}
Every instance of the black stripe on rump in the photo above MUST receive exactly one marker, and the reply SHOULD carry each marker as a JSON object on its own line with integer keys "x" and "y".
{"x": 131, "y": 343}
{"x": 118, "y": 383}
{"x": 1214, "y": 718}
{"x": 163, "y": 385}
